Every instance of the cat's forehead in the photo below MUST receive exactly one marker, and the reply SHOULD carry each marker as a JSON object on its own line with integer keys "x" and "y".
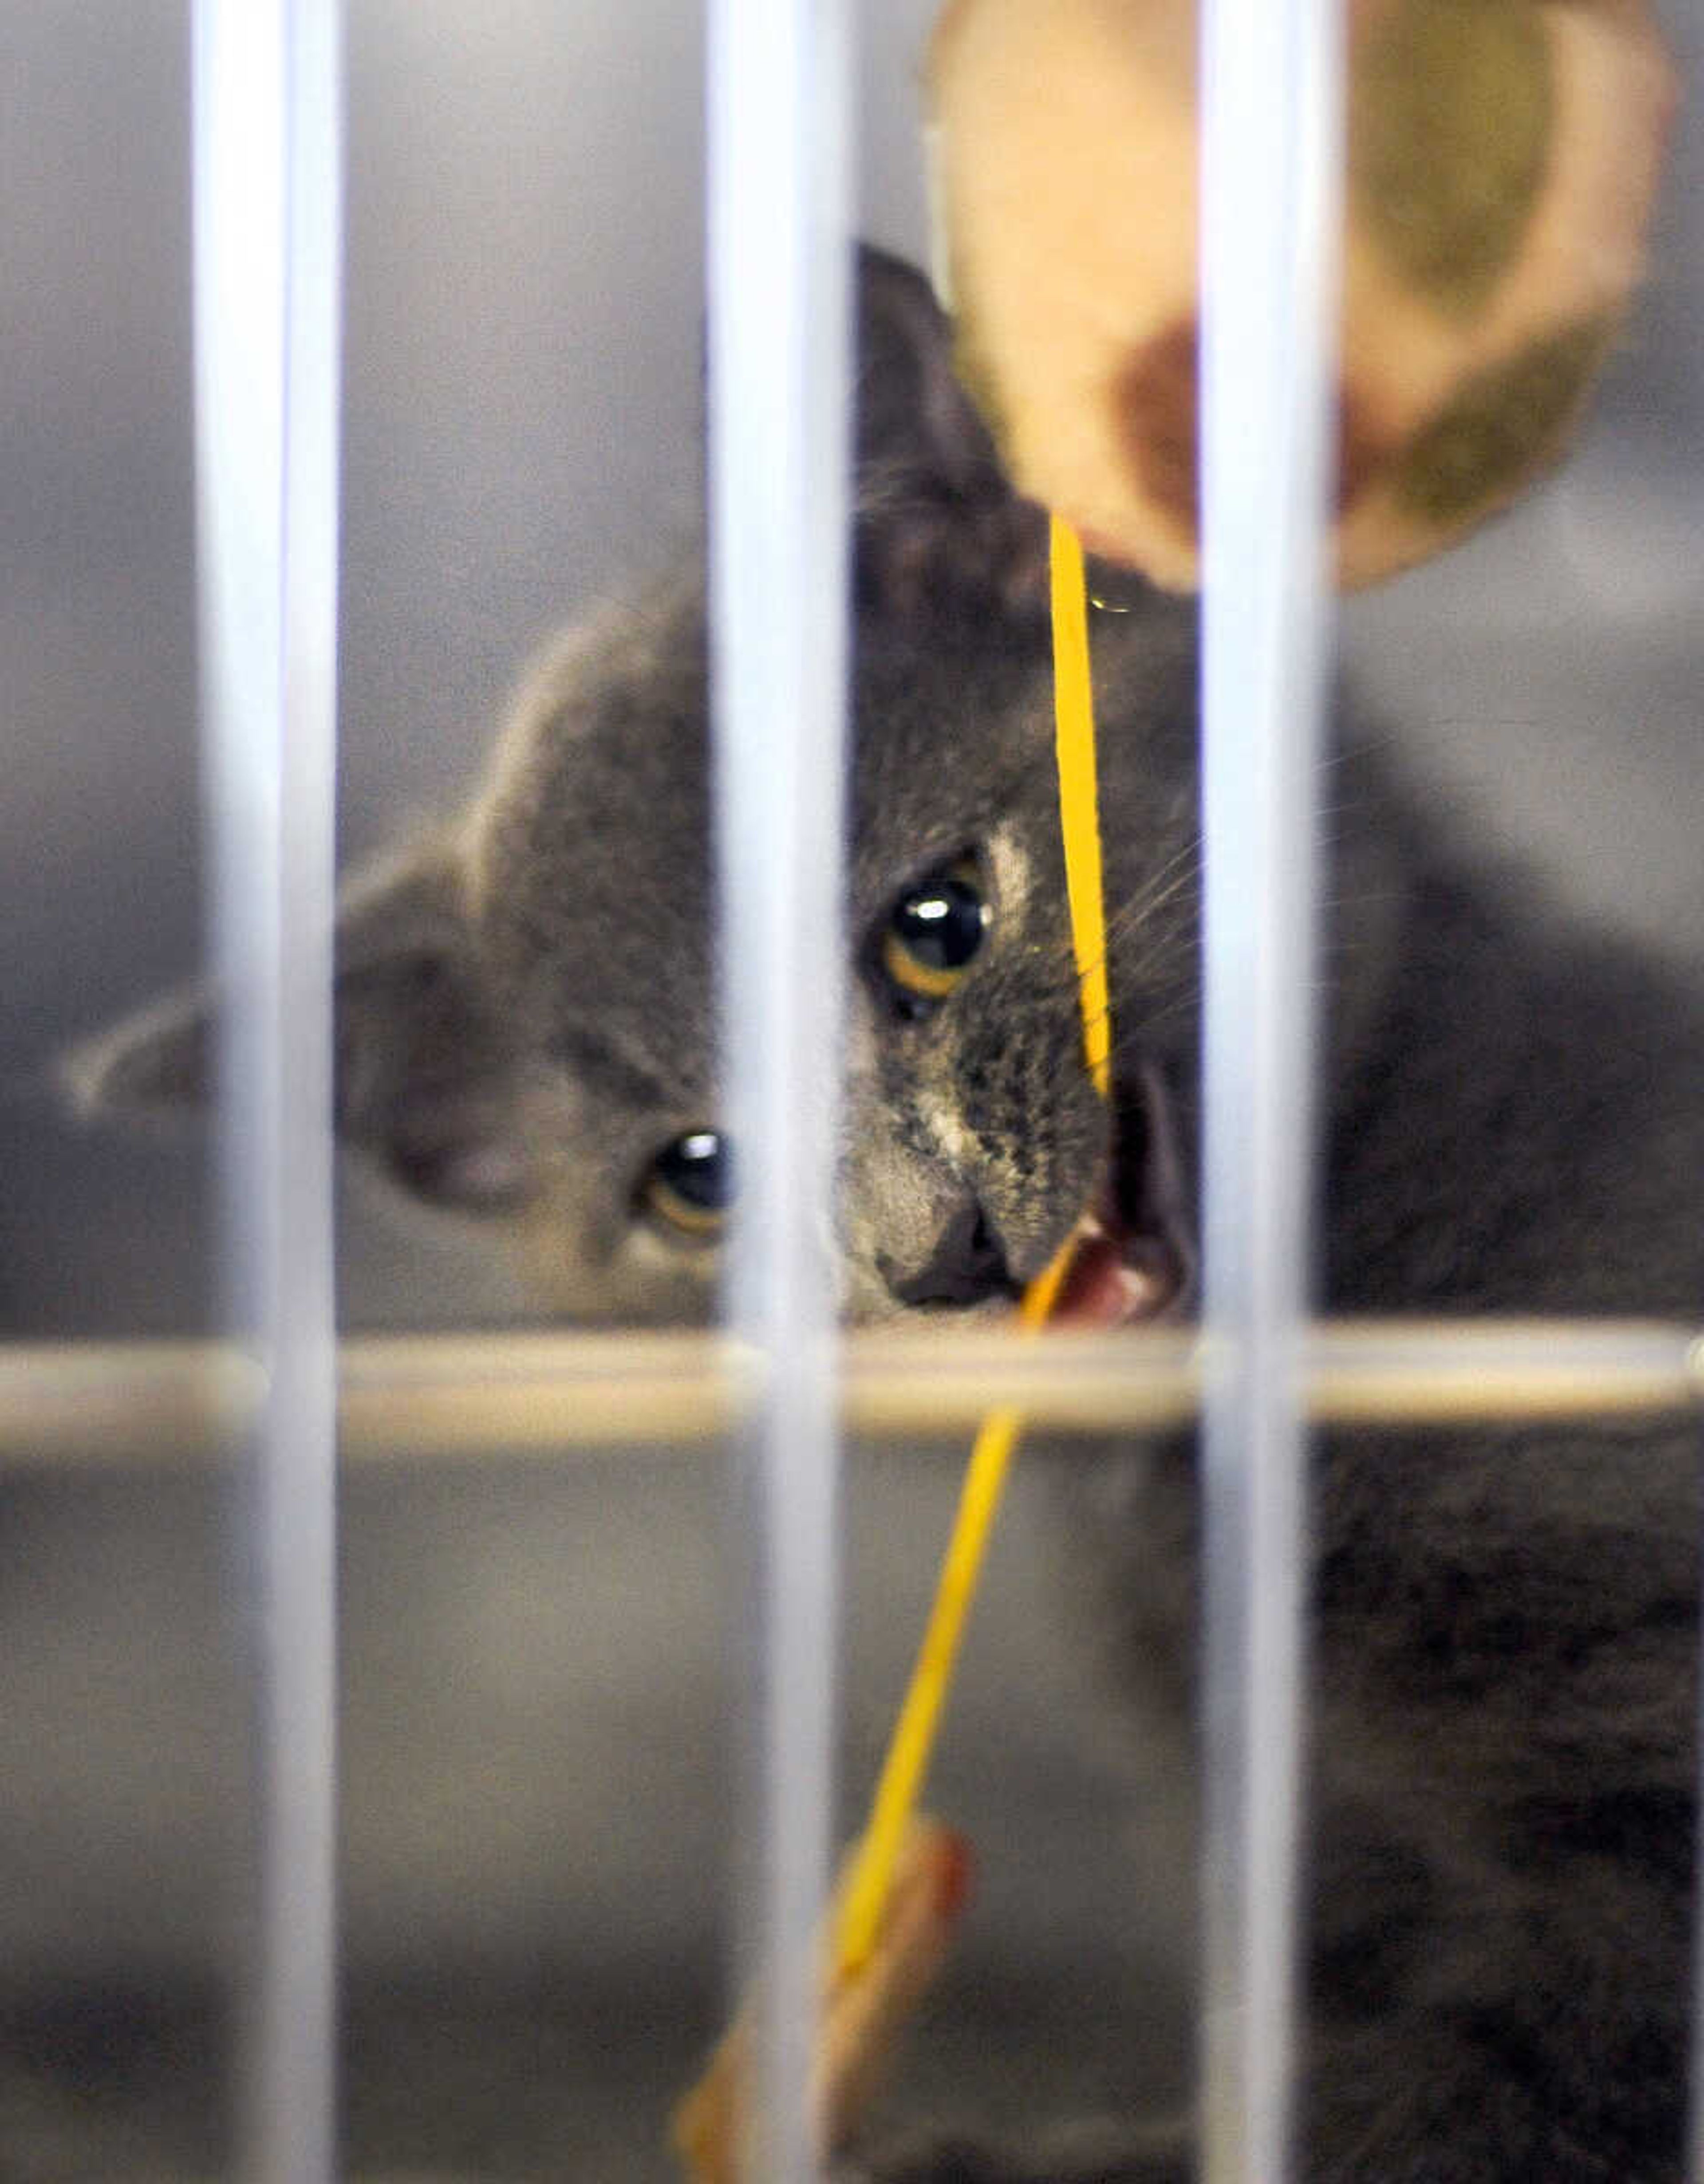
{"x": 598, "y": 794}
{"x": 598, "y": 824}
{"x": 948, "y": 746}
{"x": 593, "y": 888}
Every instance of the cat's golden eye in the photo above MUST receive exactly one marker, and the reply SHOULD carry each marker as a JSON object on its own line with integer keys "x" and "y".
{"x": 934, "y": 930}
{"x": 689, "y": 1185}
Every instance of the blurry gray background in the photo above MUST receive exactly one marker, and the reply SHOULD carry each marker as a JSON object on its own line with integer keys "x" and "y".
{"x": 538, "y": 1801}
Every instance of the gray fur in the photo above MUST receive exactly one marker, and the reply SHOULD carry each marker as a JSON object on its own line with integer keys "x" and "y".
{"x": 1501, "y": 1828}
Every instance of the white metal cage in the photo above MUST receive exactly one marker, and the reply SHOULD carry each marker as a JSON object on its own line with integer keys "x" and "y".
{"x": 268, "y": 163}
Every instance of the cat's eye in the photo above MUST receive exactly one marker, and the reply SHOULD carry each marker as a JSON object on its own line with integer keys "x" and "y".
{"x": 689, "y": 1185}
{"x": 934, "y": 931}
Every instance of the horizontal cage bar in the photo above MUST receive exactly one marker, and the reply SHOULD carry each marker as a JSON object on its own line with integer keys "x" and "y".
{"x": 86, "y": 1405}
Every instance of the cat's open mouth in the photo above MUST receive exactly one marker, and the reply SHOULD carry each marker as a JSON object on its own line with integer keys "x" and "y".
{"x": 1134, "y": 1260}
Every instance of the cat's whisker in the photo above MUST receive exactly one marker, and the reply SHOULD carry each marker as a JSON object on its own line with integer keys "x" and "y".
{"x": 1164, "y": 948}
{"x": 1179, "y": 871}
{"x": 1159, "y": 932}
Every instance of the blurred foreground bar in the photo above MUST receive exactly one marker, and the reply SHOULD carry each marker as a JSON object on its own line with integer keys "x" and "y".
{"x": 437, "y": 1398}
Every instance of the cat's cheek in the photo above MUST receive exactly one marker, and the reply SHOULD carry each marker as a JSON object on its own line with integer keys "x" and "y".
{"x": 603, "y": 1266}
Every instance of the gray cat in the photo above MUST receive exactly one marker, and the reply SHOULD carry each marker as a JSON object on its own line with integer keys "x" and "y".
{"x": 1501, "y": 1837}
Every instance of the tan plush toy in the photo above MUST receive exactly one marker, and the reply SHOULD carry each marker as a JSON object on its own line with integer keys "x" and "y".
{"x": 862, "y": 2016}
{"x": 1502, "y": 159}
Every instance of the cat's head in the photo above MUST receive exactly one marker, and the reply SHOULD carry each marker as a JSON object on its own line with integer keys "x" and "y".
{"x": 525, "y": 1006}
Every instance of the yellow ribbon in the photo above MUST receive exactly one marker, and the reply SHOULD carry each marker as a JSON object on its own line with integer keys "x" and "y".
{"x": 919, "y": 1716}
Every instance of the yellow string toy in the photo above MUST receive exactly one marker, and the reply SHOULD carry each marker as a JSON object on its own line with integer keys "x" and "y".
{"x": 919, "y": 1716}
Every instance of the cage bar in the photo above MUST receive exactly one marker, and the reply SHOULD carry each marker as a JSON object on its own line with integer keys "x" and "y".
{"x": 431, "y": 1400}
{"x": 267, "y": 254}
{"x": 779, "y": 282}
{"x": 1270, "y": 78}
{"x": 268, "y": 163}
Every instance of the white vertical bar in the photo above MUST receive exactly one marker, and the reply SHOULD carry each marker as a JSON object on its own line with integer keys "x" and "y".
{"x": 779, "y": 441}
{"x": 267, "y": 189}
{"x": 1272, "y": 128}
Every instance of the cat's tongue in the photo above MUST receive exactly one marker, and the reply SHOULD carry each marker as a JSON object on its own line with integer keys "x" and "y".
{"x": 1115, "y": 1279}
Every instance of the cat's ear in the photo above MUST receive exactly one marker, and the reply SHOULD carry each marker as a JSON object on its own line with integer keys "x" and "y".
{"x": 425, "y": 1079}
{"x": 427, "y": 1074}
{"x": 153, "y": 1063}
{"x": 939, "y": 529}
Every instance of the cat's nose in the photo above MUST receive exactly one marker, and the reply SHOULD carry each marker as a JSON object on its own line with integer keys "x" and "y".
{"x": 967, "y": 1264}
